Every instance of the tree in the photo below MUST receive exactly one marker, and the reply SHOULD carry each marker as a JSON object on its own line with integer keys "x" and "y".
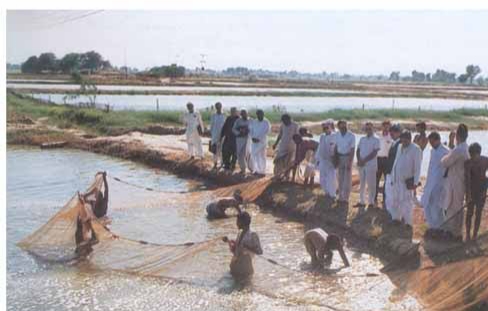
{"x": 395, "y": 76}
{"x": 418, "y": 76}
{"x": 31, "y": 65}
{"x": 443, "y": 76}
{"x": 472, "y": 71}
{"x": 48, "y": 62}
{"x": 463, "y": 78}
{"x": 91, "y": 61}
{"x": 70, "y": 63}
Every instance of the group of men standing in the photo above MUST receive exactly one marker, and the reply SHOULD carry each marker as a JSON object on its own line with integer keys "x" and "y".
{"x": 235, "y": 139}
{"x": 392, "y": 155}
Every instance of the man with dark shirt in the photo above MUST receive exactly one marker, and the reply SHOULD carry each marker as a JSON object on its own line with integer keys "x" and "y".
{"x": 229, "y": 153}
{"x": 395, "y": 132}
{"x": 475, "y": 171}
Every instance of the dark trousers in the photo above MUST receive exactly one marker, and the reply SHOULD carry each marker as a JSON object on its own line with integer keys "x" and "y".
{"x": 229, "y": 156}
{"x": 382, "y": 164}
{"x": 475, "y": 207}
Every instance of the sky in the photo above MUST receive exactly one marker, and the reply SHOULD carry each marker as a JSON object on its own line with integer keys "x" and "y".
{"x": 354, "y": 42}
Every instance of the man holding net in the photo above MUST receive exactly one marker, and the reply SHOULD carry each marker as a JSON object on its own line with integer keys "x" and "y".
{"x": 216, "y": 210}
{"x": 243, "y": 248}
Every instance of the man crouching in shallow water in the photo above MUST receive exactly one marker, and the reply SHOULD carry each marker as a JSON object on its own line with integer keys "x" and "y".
{"x": 318, "y": 244}
{"x": 216, "y": 209}
{"x": 243, "y": 248}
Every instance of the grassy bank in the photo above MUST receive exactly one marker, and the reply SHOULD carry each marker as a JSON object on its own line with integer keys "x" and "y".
{"x": 100, "y": 122}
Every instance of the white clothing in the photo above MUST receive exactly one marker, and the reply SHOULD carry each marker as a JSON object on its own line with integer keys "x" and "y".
{"x": 309, "y": 164}
{"x": 216, "y": 124}
{"x": 243, "y": 144}
{"x": 193, "y": 139}
{"x": 407, "y": 165}
{"x": 455, "y": 187}
{"x": 324, "y": 157}
{"x": 367, "y": 176}
{"x": 391, "y": 201}
{"x": 385, "y": 144}
{"x": 366, "y": 146}
{"x": 433, "y": 195}
{"x": 259, "y": 130}
{"x": 345, "y": 142}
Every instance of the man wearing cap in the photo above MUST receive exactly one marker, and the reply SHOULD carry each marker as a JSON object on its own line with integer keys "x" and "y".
{"x": 385, "y": 144}
{"x": 194, "y": 128}
{"x": 259, "y": 130}
{"x": 389, "y": 192}
{"x": 406, "y": 177}
{"x": 367, "y": 151}
{"x": 345, "y": 145}
{"x": 217, "y": 121}
{"x": 325, "y": 159}
{"x": 243, "y": 144}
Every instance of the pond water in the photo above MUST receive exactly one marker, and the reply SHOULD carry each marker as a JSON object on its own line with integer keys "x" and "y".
{"x": 286, "y": 103}
{"x": 40, "y": 182}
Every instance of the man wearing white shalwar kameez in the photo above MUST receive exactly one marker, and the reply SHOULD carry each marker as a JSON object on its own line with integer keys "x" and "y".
{"x": 243, "y": 141}
{"x": 193, "y": 122}
{"x": 433, "y": 195}
{"x": 324, "y": 158}
{"x": 216, "y": 123}
{"x": 406, "y": 177}
{"x": 259, "y": 131}
{"x": 455, "y": 184}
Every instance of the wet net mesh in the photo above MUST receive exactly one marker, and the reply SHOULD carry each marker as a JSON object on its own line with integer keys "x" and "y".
{"x": 453, "y": 286}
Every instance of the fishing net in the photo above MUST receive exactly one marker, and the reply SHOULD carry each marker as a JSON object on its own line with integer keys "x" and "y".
{"x": 453, "y": 286}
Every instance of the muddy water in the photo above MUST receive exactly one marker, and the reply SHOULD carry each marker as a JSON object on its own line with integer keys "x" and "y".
{"x": 38, "y": 184}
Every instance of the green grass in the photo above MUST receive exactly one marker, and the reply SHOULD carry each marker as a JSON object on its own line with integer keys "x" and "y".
{"x": 101, "y": 122}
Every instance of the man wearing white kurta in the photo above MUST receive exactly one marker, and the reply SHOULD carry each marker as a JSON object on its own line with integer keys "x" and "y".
{"x": 455, "y": 184}
{"x": 345, "y": 145}
{"x": 368, "y": 165}
{"x": 406, "y": 177}
{"x": 243, "y": 141}
{"x": 193, "y": 121}
{"x": 389, "y": 192}
{"x": 325, "y": 160}
{"x": 433, "y": 195}
{"x": 216, "y": 123}
{"x": 259, "y": 131}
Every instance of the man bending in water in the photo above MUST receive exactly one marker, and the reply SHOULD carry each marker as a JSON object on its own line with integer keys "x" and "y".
{"x": 318, "y": 244}
{"x": 99, "y": 204}
{"x": 217, "y": 209}
{"x": 243, "y": 248}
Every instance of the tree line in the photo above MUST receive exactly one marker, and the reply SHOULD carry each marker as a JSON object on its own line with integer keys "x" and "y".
{"x": 442, "y": 76}
{"x": 72, "y": 62}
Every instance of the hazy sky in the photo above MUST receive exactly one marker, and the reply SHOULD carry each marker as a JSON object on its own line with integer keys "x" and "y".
{"x": 333, "y": 41}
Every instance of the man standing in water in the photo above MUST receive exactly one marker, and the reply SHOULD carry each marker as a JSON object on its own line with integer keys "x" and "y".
{"x": 325, "y": 160}
{"x": 345, "y": 145}
{"x": 434, "y": 187}
{"x": 229, "y": 156}
{"x": 243, "y": 145}
{"x": 85, "y": 236}
{"x": 283, "y": 161}
{"x": 259, "y": 131}
{"x": 216, "y": 123}
{"x": 320, "y": 245}
{"x": 243, "y": 248}
{"x": 194, "y": 128}
{"x": 455, "y": 185}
